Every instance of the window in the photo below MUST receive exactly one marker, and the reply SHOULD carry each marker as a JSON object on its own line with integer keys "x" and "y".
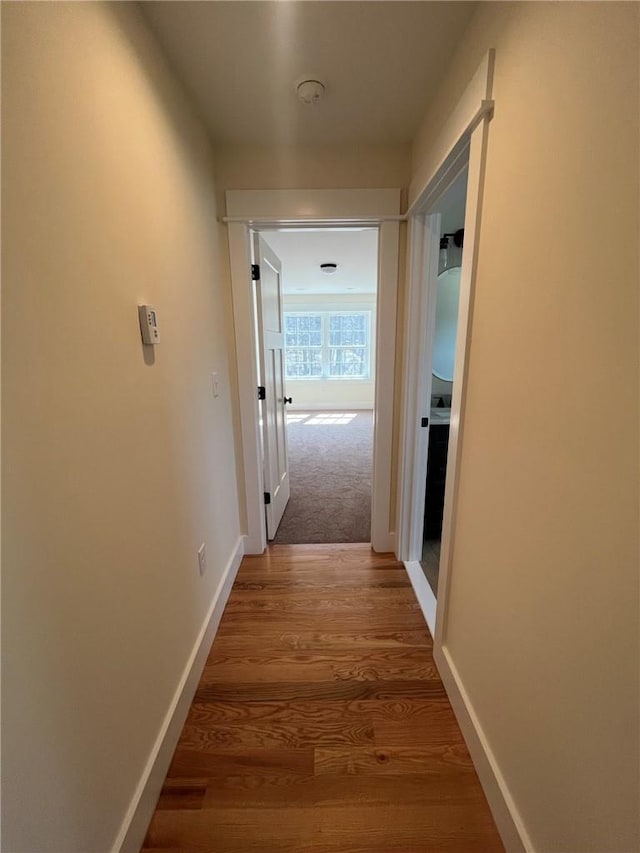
{"x": 327, "y": 345}
{"x": 303, "y": 345}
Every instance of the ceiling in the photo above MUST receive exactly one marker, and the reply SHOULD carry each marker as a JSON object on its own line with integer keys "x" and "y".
{"x": 380, "y": 62}
{"x": 302, "y": 252}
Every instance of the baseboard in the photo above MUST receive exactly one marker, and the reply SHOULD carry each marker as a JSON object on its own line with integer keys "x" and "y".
{"x": 505, "y": 813}
{"x": 382, "y": 543}
{"x": 136, "y": 822}
{"x": 424, "y": 594}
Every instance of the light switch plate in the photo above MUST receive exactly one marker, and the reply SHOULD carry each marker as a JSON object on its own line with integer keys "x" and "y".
{"x": 148, "y": 317}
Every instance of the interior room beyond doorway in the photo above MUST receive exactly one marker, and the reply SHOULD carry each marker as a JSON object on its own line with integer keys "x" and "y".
{"x": 442, "y": 358}
{"x": 329, "y": 284}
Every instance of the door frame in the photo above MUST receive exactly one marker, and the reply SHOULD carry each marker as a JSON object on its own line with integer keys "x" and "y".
{"x": 462, "y": 144}
{"x": 463, "y": 137}
{"x": 261, "y": 210}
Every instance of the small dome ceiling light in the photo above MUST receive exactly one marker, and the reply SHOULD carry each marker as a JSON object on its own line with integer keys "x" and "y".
{"x": 329, "y": 269}
{"x": 310, "y": 91}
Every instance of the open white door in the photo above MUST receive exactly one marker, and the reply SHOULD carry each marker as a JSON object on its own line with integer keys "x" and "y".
{"x": 271, "y": 355}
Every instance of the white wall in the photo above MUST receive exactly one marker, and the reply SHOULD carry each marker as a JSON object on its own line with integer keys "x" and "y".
{"x": 116, "y": 464}
{"x": 543, "y": 615}
{"x": 334, "y": 394}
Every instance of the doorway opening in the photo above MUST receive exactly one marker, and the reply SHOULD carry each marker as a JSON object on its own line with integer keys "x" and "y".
{"x": 320, "y": 468}
{"x": 251, "y": 211}
{"x": 441, "y": 336}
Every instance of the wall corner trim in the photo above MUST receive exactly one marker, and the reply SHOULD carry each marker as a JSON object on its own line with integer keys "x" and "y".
{"x": 503, "y": 808}
{"x": 138, "y": 816}
{"x": 423, "y": 592}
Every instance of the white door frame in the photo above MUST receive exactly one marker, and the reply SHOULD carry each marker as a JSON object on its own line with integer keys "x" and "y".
{"x": 260, "y": 210}
{"x": 463, "y": 143}
{"x": 462, "y": 139}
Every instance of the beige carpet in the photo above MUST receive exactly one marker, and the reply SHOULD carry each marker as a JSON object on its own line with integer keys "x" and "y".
{"x": 330, "y": 473}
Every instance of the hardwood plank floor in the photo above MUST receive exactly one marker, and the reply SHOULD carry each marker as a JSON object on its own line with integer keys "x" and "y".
{"x": 320, "y": 722}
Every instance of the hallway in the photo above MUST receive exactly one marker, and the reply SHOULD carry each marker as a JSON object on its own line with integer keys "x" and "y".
{"x": 320, "y": 722}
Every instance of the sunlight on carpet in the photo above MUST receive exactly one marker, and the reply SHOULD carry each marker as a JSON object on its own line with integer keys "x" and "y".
{"x": 330, "y": 475}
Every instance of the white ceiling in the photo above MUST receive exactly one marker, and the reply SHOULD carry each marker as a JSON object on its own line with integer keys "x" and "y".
{"x": 380, "y": 62}
{"x": 302, "y": 252}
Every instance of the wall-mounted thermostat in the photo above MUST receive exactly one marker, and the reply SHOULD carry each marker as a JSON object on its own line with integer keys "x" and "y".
{"x": 149, "y": 324}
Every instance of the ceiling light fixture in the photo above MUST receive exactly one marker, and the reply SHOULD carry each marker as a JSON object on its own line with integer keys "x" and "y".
{"x": 310, "y": 91}
{"x": 329, "y": 269}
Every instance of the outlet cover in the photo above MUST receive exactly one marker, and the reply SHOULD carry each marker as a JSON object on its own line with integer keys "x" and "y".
{"x": 202, "y": 559}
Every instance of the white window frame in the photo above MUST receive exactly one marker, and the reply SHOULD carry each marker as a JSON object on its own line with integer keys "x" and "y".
{"x": 325, "y": 347}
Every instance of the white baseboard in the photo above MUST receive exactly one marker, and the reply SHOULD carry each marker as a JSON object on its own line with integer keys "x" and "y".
{"x": 505, "y": 813}
{"x": 136, "y": 822}
{"x": 424, "y": 593}
{"x": 510, "y": 826}
{"x": 382, "y": 543}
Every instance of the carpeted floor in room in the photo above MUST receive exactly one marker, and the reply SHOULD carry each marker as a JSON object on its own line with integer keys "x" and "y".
{"x": 330, "y": 473}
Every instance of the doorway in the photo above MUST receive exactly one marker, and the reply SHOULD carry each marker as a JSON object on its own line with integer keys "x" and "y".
{"x": 251, "y": 211}
{"x": 464, "y": 142}
{"x": 440, "y": 339}
{"x": 328, "y": 305}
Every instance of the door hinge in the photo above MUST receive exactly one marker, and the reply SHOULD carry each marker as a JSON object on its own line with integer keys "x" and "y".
{"x": 255, "y": 272}
{"x": 262, "y": 392}
{"x": 424, "y": 422}
{"x": 267, "y": 497}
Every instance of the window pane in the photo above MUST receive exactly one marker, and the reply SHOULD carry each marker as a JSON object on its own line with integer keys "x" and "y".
{"x": 347, "y": 330}
{"x": 347, "y": 361}
{"x": 303, "y": 361}
{"x": 303, "y": 330}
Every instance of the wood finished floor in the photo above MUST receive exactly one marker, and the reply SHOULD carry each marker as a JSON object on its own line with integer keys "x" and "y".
{"x": 320, "y": 722}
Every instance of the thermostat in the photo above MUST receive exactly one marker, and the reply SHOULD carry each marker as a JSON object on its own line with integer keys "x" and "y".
{"x": 149, "y": 324}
